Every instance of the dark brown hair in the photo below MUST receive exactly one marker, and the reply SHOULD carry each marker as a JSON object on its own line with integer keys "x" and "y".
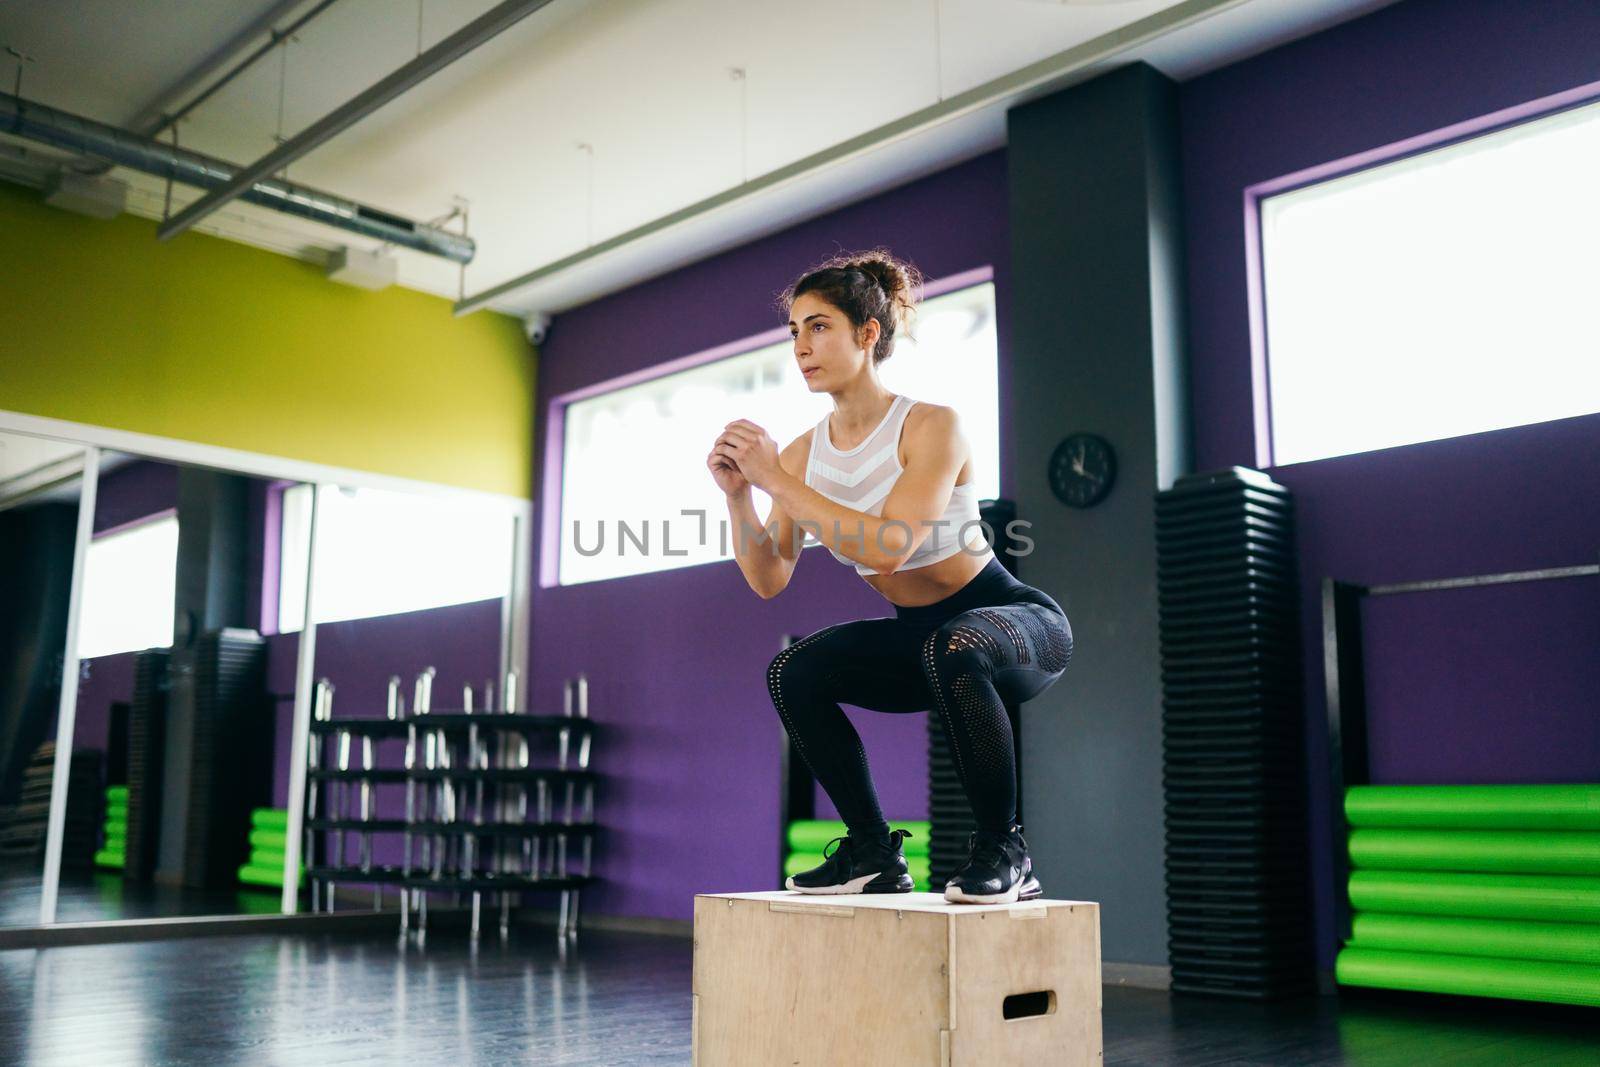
{"x": 865, "y": 285}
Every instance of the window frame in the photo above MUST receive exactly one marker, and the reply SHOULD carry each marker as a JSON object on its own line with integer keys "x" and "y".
{"x": 272, "y": 569}
{"x": 550, "y": 491}
{"x": 1421, "y": 144}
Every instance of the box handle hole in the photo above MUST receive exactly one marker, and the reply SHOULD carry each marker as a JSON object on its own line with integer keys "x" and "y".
{"x": 1025, "y": 1005}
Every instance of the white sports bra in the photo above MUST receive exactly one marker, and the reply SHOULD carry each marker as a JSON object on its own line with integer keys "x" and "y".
{"x": 861, "y": 478}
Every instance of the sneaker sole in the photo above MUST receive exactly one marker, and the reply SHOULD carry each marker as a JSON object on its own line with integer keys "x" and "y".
{"x": 1026, "y": 889}
{"x": 854, "y": 885}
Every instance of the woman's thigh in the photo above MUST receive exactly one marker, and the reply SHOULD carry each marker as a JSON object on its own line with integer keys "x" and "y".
{"x": 1030, "y": 645}
{"x": 873, "y": 664}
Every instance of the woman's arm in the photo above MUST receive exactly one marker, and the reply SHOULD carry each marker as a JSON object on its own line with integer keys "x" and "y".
{"x": 937, "y": 448}
{"x": 766, "y": 552}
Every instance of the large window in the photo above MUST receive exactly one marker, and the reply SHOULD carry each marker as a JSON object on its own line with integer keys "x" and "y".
{"x": 379, "y": 553}
{"x": 634, "y": 458}
{"x": 1446, "y": 293}
{"x": 129, "y": 590}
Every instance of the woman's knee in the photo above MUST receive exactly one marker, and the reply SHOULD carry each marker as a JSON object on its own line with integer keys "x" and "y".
{"x": 958, "y": 648}
{"x": 795, "y": 670}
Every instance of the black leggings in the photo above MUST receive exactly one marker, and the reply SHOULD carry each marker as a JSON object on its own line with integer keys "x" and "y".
{"x": 990, "y": 645}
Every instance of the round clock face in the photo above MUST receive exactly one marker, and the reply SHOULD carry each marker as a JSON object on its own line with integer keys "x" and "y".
{"x": 1082, "y": 468}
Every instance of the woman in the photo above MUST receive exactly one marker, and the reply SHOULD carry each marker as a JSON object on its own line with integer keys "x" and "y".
{"x": 887, "y": 484}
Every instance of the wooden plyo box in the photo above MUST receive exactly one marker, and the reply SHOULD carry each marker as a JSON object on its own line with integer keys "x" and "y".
{"x": 903, "y": 979}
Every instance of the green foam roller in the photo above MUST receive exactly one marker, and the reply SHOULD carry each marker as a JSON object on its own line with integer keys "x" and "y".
{"x": 1568, "y": 942}
{"x": 266, "y": 857}
{"x": 1475, "y": 807}
{"x": 269, "y": 819}
{"x": 1511, "y": 851}
{"x": 106, "y": 857}
{"x": 813, "y": 835}
{"x": 1562, "y": 983}
{"x": 277, "y": 839}
{"x": 250, "y": 874}
{"x": 117, "y": 842}
{"x": 1543, "y": 897}
{"x": 118, "y": 808}
{"x": 116, "y": 792}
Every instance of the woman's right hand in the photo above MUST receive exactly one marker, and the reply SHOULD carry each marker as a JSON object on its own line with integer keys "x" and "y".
{"x": 726, "y": 473}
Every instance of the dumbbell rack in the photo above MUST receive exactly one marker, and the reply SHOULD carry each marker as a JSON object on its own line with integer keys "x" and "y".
{"x": 480, "y": 812}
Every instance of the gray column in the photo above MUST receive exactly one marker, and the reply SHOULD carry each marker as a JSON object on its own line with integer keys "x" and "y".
{"x": 1097, "y": 341}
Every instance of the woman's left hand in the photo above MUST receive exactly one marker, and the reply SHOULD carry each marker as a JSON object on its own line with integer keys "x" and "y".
{"x": 754, "y": 451}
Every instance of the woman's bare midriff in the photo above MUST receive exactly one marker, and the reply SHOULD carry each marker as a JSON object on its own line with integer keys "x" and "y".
{"x": 931, "y": 584}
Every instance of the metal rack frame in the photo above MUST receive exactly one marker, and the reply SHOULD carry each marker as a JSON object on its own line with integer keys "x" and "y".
{"x": 467, "y": 775}
{"x": 1349, "y": 761}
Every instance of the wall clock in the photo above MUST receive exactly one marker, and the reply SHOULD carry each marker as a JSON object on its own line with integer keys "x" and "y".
{"x": 1082, "y": 470}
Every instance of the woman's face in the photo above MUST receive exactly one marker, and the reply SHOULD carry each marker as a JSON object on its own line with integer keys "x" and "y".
{"x": 825, "y": 347}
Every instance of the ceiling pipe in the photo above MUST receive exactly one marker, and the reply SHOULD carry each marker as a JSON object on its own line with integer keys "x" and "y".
{"x": 149, "y": 119}
{"x": 74, "y": 133}
{"x": 154, "y": 118}
{"x": 480, "y": 30}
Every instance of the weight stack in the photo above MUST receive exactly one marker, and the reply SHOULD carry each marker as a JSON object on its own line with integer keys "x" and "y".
{"x": 85, "y": 797}
{"x": 23, "y": 825}
{"x": 230, "y": 754}
{"x": 1238, "y": 902}
{"x": 146, "y": 745}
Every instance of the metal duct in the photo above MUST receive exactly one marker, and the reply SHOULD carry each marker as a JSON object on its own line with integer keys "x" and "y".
{"x": 74, "y": 133}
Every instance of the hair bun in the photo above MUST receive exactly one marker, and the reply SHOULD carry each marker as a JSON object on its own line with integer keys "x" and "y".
{"x": 899, "y": 281}
{"x": 866, "y": 285}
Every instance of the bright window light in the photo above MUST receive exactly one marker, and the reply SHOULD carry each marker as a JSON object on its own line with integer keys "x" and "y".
{"x": 130, "y": 584}
{"x": 1448, "y": 293}
{"x": 608, "y": 481}
{"x": 380, "y": 552}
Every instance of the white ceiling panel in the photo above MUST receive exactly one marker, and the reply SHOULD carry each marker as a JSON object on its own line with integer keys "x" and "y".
{"x": 646, "y": 84}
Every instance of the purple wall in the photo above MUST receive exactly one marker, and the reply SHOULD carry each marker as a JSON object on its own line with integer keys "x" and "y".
{"x": 677, "y": 660}
{"x": 1494, "y": 685}
{"x": 134, "y": 491}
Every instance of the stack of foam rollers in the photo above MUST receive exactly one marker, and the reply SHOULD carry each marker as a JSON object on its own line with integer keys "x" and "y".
{"x": 808, "y": 838}
{"x": 114, "y": 853}
{"x": 269, "y": 828}
{"x": 1478, "y": 890}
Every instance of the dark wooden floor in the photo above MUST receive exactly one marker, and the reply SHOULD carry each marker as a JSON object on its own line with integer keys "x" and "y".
{"x": 615, "y": 998}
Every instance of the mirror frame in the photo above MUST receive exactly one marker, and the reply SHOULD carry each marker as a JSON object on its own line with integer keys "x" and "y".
{"x": 95, "y": 440}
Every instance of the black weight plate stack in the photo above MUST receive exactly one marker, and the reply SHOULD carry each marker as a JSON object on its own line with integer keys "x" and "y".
{"x": 86, "y": 797}
{"x": 950, "y": 819}
{"x": 147, "y": 738}
{"x": 23, "y": 825}
{"x": 230, "y": 773}
{"x": 1238, "y": 901}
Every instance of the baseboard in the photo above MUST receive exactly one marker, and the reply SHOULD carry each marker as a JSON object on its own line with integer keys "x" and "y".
{"x": 1136, "y": 975}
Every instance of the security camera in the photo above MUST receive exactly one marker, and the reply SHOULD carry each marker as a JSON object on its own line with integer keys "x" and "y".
{"x": 536, "y": 326}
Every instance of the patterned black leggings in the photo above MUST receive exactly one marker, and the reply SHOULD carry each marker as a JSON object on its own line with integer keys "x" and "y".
{"x": 991, "y": 645}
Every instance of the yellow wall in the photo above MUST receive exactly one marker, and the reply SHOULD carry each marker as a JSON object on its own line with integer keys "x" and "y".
{"x": 212, "y": 341}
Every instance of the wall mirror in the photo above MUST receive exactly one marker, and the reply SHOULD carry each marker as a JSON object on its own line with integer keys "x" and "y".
{"x": 41, "y": 483}
{"x": 173, "y": 620}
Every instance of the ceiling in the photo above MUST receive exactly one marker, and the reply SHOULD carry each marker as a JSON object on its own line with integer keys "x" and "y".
{"x": 576, "y": 136}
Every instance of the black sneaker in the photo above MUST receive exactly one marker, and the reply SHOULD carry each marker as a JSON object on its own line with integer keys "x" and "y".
{"x": 998, "y": 870}
{"x": 857, "y": 867}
